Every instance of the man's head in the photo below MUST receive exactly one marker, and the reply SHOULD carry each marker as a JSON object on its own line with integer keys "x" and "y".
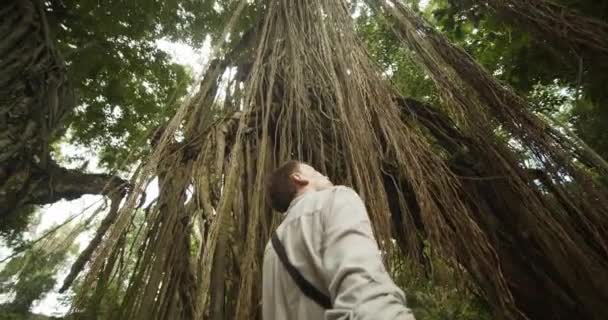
{"x": 292, "y": 179}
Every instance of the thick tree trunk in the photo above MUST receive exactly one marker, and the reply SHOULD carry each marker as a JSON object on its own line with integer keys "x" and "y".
{"x": 470, "y": 207}
{"x": 523, "y": 262}
{"x": 35, "y": 100}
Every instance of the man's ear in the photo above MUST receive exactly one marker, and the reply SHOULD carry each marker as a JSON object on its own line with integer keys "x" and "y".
{"x": 299, "y": 179}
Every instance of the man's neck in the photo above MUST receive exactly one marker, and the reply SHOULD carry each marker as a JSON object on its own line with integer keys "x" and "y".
{"x": 303, "y": 191}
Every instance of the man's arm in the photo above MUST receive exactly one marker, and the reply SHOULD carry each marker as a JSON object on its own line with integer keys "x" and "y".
{"x": 359, "y": 285}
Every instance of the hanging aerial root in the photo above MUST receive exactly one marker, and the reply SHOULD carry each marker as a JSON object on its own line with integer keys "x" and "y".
{"x": 584, "y": 35}
{"x": 311, "y": 93}
{"x": 573, "y": 226}
{"x": 85, "y": 255}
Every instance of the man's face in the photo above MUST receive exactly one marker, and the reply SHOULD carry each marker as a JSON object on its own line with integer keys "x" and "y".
{"x": 315, "y": 179}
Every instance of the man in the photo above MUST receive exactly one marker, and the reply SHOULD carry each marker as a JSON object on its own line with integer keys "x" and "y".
{"x": 327, "y": 240}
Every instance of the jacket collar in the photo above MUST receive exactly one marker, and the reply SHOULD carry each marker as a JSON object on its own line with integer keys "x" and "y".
{"x": 296, "y": 200}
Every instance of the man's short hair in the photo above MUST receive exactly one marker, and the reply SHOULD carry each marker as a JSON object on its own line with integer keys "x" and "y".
{"x": 281, "y": 188}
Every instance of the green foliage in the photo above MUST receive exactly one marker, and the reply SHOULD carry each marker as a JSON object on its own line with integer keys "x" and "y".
{"x": 126, "y": 87}
{"x": 440, "y": 295}
{"x": 590, "y": 121}
{"x": 396, "y": 61}
{"x": 532, "y": 66}
{"x": 30, "y": 275}
{"x": 105, "y": 302}
{"x": 508, "y": 52}
{"x": 125, "y": 103}
{"x": 14, "y": 225}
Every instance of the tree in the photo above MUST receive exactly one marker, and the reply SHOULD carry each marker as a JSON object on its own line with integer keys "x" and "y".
{"x": 516, "y": 49}
{"x": 483, "y": 183}
{"x": 120, "y": 88}
{"x": 308, "y": 90}
{"x": 126, "y": 86}
{"x": 31, "y": 275}
{"x": 36, "y": 100}
{"x": 473, "y": 91}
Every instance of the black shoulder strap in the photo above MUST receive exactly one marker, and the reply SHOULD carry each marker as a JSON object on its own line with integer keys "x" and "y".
{"x": 307, "y": 288}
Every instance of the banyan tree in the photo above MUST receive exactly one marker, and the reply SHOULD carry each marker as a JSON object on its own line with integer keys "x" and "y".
{"x": 507, "y": 199}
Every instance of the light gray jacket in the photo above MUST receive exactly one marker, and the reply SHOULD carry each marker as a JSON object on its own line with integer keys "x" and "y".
{"x": 328, "y": 237}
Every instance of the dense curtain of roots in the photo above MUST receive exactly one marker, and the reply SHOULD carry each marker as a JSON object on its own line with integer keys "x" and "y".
{"x": 584, "y": 35}
{"x": 306, "y": 89}
{"x": 561, "y": 217}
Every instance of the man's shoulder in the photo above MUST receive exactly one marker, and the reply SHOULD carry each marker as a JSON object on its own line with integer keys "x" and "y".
{"x": 323, "y": 200}
{"x": 344, "y": 191}
{"x": 339, "y": 195}
{"x": 345, "y": 206}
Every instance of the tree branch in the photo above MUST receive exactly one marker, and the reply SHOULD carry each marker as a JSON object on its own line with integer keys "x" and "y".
{"x": 60, "y": 183}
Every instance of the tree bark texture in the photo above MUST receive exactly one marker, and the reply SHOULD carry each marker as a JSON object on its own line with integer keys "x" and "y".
{"x": 35, "y": 101}
{"x": 523, "y": 263}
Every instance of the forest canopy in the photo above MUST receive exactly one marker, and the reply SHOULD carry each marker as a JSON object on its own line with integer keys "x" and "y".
{"x": 474, "y": 130}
